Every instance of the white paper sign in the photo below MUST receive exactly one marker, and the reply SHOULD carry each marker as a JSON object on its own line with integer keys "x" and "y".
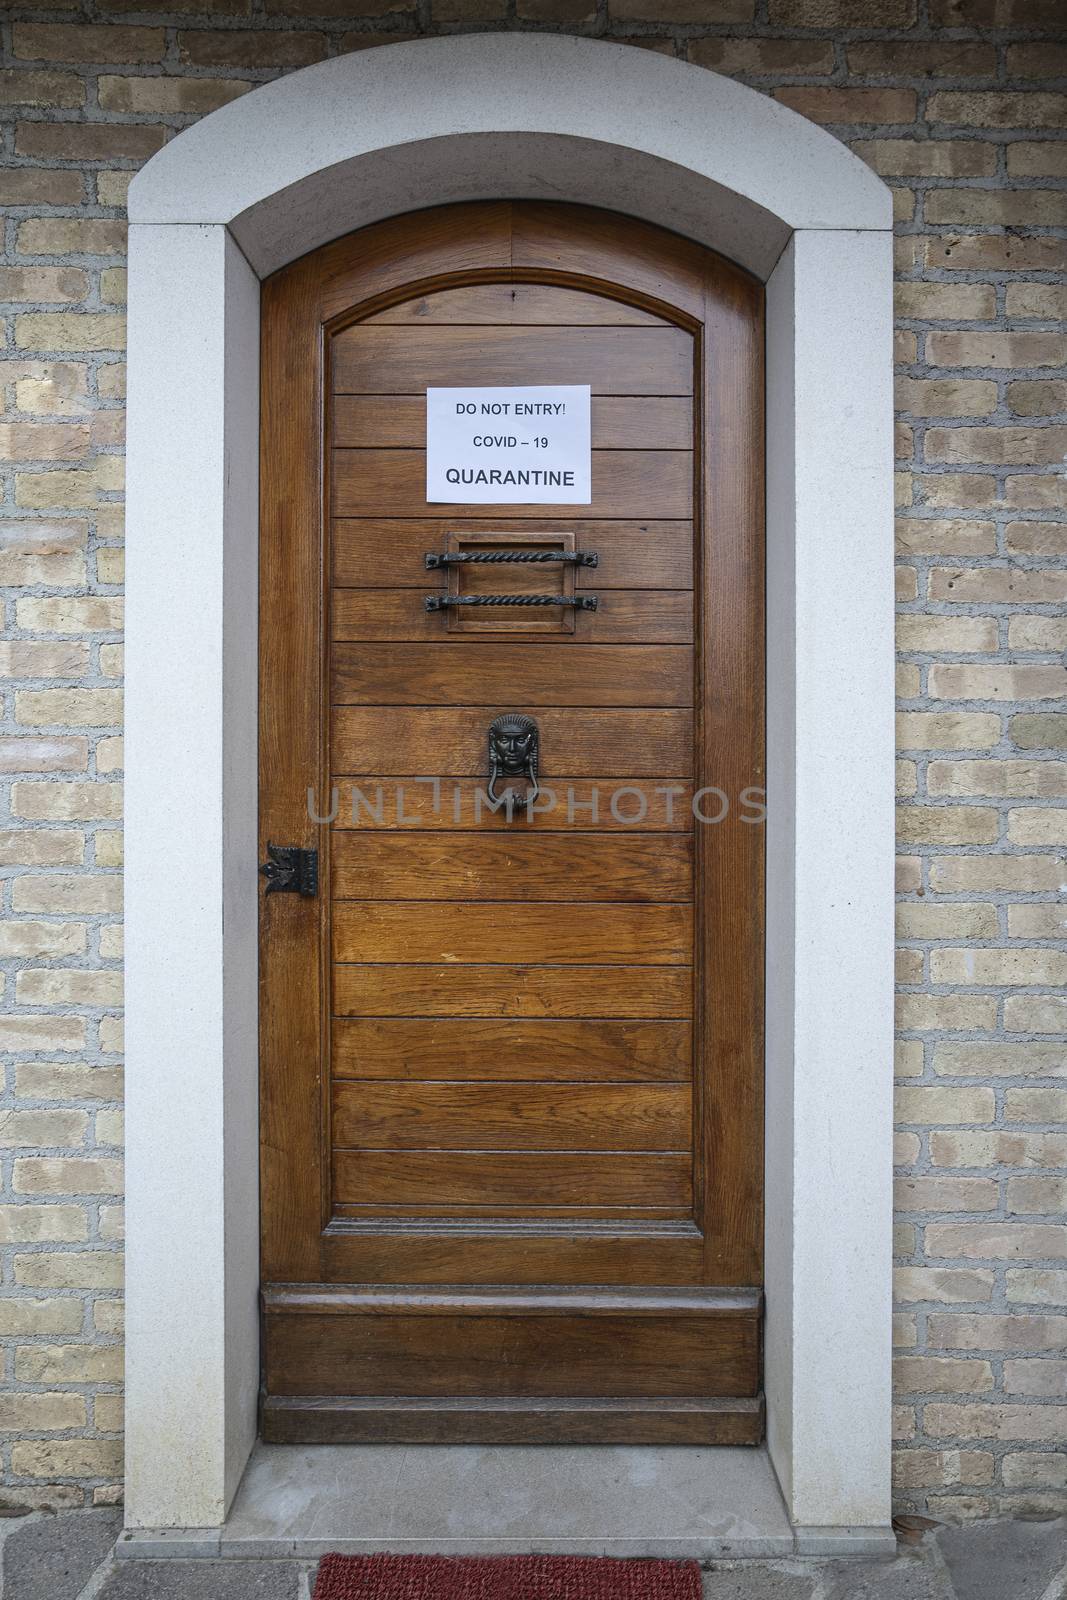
{"x": 528, "y": 446}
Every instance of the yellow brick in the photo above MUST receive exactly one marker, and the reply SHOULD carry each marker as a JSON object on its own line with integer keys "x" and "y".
{"x": 958, "y": 491}
{"x": 31, "y": 658}
{"x": 51, "y": 986}
{"x": 944, "y": 1285}
{"x": 113, "y": 1223}
{"x": 78, "y": 330}
{"x": 34, "y": 1224}
{"x": 108, "y": 1413}
{"x": 1005, "y": 447}
{"x": 40, "y": 939}
{"x": 69, "y": 614}
{"x": 69, "y": 1363}
{"x": 41, "y": 490}
{"x": 111, "y": 1035}
{"x": 944, "y": 397}
{"x": 66, "y": 802}
{"x": 953, "y": 536}
{"x": 30, "y": 847}
{"x": 1037, "y": 825}
{"x": 53, "y": 892}
{"x": 937, "y": 634}
{"x": 1035, "y": 1014}
{"x": 946, "y": 825}
{"x": 940, "y": 1105}
{"x": 55, "y": 388}
{"x": 67, "y": 1458}
{"x": 929, "y": 920}
{"x": 112, "y": 189}
{"x": 17, "y": 571}
{"x": 81, "y": 1269}
{"x": 108, "y": 1316}
{"x": 1048, "y": 300}
{"x": 113, "y": 279}
{"x": 992, "y": 1058}
{"x": 41, "y": 1033}
{"x": 964, "y": 874}
{"x": 1000, "y": 109}
{"x": 167, "y": 95}
{"x": 947, "y": 730}
{"x": 999, "y": 779}
{"x": 112, "y": 660}
{"x": 950, "y": 1013}
{"x": 997, "y": 208}
{"x": 26, "y": 1316}
{"x": 68, "y": 1175}
{"x": 111, "y": 941}
{"x": 1037, "y": 538}
{"x": 110, "y": 564}
{"x": 68, "y": 707}
{"x": 65, "y": 1080}
{"x": 41, "y": 1413}
{"x": 999, "y": 968}
{"x": 41, "y": 284}
{"x": 108, "y": 43}
{"x": 108, "y": 847}
{"x": 950, "y": 682}
{"x": 109, "y": 755}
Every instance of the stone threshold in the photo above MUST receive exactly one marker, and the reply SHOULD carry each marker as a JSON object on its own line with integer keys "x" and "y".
{"x": 667, "y": 1500}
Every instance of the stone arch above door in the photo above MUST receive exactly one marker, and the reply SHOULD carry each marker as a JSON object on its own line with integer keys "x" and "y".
{"x": 253, "y": 186}
{"x": 324, "y": 151}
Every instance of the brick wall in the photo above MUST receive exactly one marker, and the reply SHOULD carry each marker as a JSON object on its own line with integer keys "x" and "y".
{"x": 960, "y": 105}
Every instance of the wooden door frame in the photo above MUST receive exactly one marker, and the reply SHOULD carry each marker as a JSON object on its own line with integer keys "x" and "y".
{"x": 302, "y": 307}
{"x": 229, "y": 201}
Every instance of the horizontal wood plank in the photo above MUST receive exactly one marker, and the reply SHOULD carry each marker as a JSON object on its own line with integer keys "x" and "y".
{"x": 623, "y": 616}
{"x": 540, "y": 1049}
{"x": 390, "y": 422}
{"x": 625, "y": 483}
{"x": 390, "y": 1420}
{"x": 486, "y": 1355}
{"x": 451, "y": 741}
{"x": 512, "y": 1116}
{"x": 513, "y": 1177}
{"x": 524, "y": 304}
{"x": 570, "y": 805}
{"x": 403, "y": 990}
{"x": 386, "y": 553}
{"x": 462, "y": 931}
{"x": 368, "y": 359}
{"x": 485, "y": 1256}
{"x": 443, "y": 866}
{"x": 479, "y": 672}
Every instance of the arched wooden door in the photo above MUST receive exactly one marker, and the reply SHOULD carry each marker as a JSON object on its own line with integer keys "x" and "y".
{"x": 512, "y": 1067}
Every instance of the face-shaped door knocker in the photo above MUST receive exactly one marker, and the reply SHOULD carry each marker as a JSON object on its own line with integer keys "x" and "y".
{"x": 513, "y": 750}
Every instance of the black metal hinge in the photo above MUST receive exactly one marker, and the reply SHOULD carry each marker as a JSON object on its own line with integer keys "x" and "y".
{"x": 290, "y": 870}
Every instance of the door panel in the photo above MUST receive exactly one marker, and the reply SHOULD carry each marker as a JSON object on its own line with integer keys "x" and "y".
{"x": 626, "y": 483}
{"x": 512, "y": 1051}
{"x": 545, "y": 1049}
{"x": 632, "y": 555}
{"x": 451, "y": 743}
{"x": 466, "y": 672}
{"x": 376, "y": 360}
{"x": 553, "y": 867}
{"x": 618, "y": 423}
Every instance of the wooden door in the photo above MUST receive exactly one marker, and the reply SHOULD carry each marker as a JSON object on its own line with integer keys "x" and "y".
{"x": 511, "y": 1068}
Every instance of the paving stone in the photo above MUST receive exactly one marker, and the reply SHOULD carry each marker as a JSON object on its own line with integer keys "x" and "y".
{"x": 907, "y": 1577}
{"x": 53, "y": 1558}
{"x": 760, "y": 1581}
{"x": 202, "y": 1580}
{"x": 994, "y": 1560}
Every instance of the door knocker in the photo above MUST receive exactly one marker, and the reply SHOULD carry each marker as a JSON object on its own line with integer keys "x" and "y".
{"x": 513, "y": 752}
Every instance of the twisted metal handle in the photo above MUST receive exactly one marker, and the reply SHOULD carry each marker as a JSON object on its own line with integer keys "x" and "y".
{"x": 579, "y": 602}
{"x": 455, "y": 558}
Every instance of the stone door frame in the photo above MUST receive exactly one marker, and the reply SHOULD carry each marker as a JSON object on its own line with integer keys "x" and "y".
{"x": 310, "y": 157}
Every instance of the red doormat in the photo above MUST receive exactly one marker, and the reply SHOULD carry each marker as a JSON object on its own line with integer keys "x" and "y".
{"x": 504, "y": 1578}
